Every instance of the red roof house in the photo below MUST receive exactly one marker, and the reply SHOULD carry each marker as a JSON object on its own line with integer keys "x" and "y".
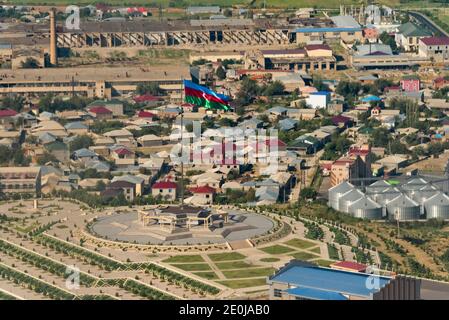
{"x": 435, "y": 41}
{"x": 145, "y": 114}
{"x": 202, "y": 190}
{"x": 349, "y": 266}
{"x": 7, "y": 113}
{"x": 164, "y": 185}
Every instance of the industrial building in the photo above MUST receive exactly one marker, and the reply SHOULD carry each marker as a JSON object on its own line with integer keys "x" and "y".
{"x": 415, "y": 199}
{"x": 334, "y": 29}
{"x": 300, "y": 280}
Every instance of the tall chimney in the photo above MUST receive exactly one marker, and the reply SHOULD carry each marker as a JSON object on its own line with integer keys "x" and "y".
{"x": 53, "y": 48}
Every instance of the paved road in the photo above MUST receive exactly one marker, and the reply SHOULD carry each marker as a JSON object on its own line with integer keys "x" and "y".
{"x": 429, "y": 23}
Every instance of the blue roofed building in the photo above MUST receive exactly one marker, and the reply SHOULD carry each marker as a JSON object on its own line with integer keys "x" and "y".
{"x": 299, "y": 280}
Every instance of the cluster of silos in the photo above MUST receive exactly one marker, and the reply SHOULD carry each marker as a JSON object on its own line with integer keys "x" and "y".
{"x": 413, "y": 200}
{"x": 346, "y": 198}
{"x": 437, "y": 207}
{"x": 403, "y": 208}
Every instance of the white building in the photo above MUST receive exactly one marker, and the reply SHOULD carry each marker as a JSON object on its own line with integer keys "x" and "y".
{"x": 318, "y": 100}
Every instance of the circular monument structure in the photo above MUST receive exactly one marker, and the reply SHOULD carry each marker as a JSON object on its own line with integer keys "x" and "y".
{"x": 180, "y": 225}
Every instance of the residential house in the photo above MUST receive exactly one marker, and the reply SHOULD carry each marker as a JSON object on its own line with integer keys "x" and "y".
{"x": 150, "y": 140}
{"x": 76, "y": 128}
{"x": 127, "y": 188}
{"x": 408, "y": 36}
{"x": 49, "y": 126}
{"x": 101, "y": 113}
{"x": 436, "y": 48}
{"x": 410, "y": 83}
{"x": 84, "y": 155}
{"x": 136, "y": 180}
{"x": 165, "y": 189}
{"x": 202, "y": 195}
{"x": 115, "y": 106}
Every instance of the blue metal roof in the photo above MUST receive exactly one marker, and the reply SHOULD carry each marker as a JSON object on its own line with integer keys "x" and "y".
{"x": 315, "y": 294}
{"x": 320, "y": 93}
{"x": 371, "y": 98}
{"x": 303, "y": 30}
{"x": 352, "y": 283}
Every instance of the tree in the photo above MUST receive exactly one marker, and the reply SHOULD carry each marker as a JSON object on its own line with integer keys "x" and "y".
{"x": 274, "y": 88}
{"x": 14, "y": 103}
{"x": 388, "y": 40}
{"x": 80, "y": 142}
{"x": 308, "y": 193}
{"x": 248, "y": 90}
{"x": 221, "y": 73}
{"x": 30, "y": 63}
{"x": 47, "y": 157}
{"x": 319, "y": 84}
{"x": 149, "y": 88}
{"x": 380, "y": 137}
{"x": 100, "y": 186}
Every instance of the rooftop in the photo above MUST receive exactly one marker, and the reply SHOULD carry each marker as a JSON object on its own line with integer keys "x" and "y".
{"x": 435, "y": 41}
{"x": 329, "y": 280}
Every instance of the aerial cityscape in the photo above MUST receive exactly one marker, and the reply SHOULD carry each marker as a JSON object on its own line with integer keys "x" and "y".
{"x": 224, "y": 150}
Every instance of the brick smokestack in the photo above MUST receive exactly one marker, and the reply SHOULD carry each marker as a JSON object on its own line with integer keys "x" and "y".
{"x": 53, "y": 48}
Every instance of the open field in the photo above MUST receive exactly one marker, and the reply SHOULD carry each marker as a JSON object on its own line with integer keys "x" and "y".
{"x": 192, "y": 266}
{"x": 226, "y": 256}
{"x": 303, "y": 255}
{"x": 276, "y": 249}
{"x": 245, "y": 283}
{"x": 184, "y": 259}
{"x": 301, "y": 244}
{"x": 248, "y": 273}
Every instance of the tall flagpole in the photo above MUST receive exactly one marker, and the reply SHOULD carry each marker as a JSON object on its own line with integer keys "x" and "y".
{"x": 182, "y": 130}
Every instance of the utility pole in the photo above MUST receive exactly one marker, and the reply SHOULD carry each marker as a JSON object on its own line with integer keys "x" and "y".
{"x": 397, "y": 221}
{"x": 182, "y": 130}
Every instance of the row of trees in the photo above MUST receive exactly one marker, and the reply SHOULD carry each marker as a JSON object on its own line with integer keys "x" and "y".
{"x": 78, "y": 252}
{"x": 34, "y": 284}
{"x": 43, "y": 263}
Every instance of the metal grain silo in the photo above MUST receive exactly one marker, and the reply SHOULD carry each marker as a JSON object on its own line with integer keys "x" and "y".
{"x": 337, "y": 191}
{"x": 426, "y": 192}
{"x": 385, "y": 195}
{"x": 377, "y": 186}
{"x": 413, "y": 185}
{"x": 437, "y": 207}
{"x": 403, "y": 208}
{"x": 366, "y": 208}
{"x": 348, "y": 198}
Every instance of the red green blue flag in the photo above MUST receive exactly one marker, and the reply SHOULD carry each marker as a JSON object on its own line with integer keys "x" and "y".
{"x": 204, "y": 97}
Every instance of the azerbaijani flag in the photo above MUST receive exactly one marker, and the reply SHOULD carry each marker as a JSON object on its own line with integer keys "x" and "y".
{"x": 204, "y": 97}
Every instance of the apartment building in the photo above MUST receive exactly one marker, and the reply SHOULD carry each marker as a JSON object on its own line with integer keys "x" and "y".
{"x": 20, "y": 180}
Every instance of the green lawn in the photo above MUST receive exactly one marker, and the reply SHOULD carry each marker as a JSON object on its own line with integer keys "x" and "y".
{"x": 246, "y": 283}
{"x": 303, "y": 255}
{"x": 248, "y": 273}
{"x": 277, "y": 249}
{"x": 323, "y": 263}
{"x": 233, "y": 265}
{"x": 184, "y": 258}
{"x": 272, "y": 259}
{"x": 209, "y": 275}
{"x": 300, "y": 244}
{"x": 226, "y": 256}
{"x": 192, "y": 266}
